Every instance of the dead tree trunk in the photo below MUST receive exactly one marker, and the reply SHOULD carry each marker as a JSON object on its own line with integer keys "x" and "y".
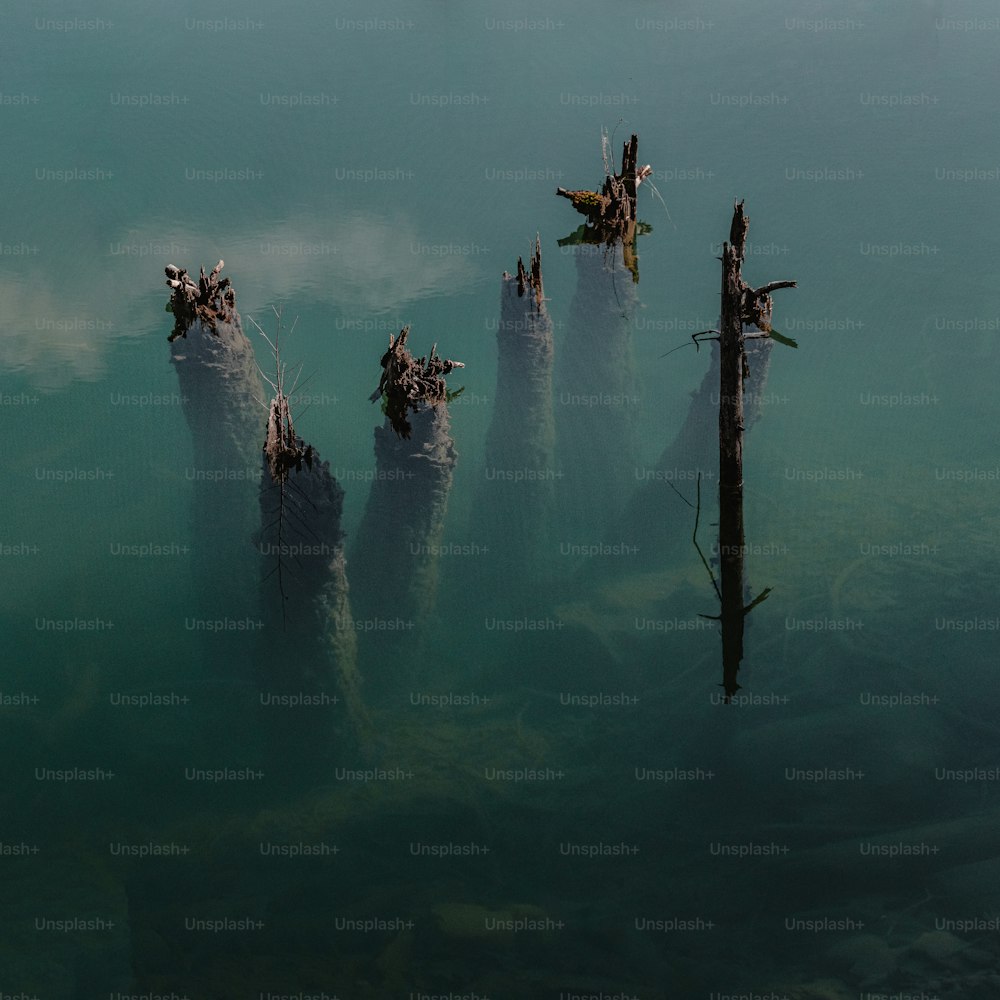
{"x": 657, "y": 516}
{"x": 596, "y": 404}
{"x": 222, "y": 395}
{"x": 611, "y": 214}
{"x": 300, "y": 535}
{"x": 597, "y": 398}
{"x": 741, "y": 306}
{"x": 515, "y": 503}
{"x": 311, "y": 644}
{"x": 400, "y": 535}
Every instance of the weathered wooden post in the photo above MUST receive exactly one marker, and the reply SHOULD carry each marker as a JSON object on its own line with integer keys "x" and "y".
{"x": 741, "y": 305}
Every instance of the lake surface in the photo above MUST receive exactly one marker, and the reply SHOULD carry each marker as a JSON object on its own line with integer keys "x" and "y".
{"x": 537, "y": 790}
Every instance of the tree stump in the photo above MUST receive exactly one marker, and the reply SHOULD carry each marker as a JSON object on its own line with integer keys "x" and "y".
{"x": 596, "y": 416}
{"x": 400, "y": 535}
{"x": 611, "y": 213}
{"x": 597, "y": 399}
{"x": 222, "y": 394}
{"x": 515, "y": 502}
{"x": 311, "y": 642}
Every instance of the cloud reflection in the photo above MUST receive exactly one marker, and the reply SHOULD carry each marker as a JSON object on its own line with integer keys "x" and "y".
{"x": 61, "y": 316}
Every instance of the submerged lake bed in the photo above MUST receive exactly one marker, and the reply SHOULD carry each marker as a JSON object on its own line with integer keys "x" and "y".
{"x": 430, "y": 699}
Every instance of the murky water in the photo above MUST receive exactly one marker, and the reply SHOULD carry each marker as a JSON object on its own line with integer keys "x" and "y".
{"x": 536, "y": 789}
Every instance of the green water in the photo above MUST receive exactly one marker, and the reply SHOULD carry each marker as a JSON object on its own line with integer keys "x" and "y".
{"x": 550, "y": 813}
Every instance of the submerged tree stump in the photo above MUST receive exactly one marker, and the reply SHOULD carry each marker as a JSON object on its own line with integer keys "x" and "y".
{"x": 657, "y": 514}
{"x": 400, "y": 535}
{"x": 611, "y": 213}
{"x": 515, "y": 504}
{"x": 300, "y": 510}
{"x": 222, "y": 395}
{"x": 311, "y": 641}
{"x": 597, "y": 398}
{"x": 409, "y": 385}
{"x": 211, "y": 300}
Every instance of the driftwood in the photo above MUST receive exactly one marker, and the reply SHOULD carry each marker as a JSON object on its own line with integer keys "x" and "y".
{"x": 409, "y": 384}
{"x": 515, "y": 503}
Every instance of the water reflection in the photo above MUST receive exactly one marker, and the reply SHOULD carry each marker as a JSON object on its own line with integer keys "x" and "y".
{"x": 60, "y": 322}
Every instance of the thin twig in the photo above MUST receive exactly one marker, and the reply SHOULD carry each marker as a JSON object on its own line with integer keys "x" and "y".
{"x": 695, "y": 340}
{"x": 694, "y": 538}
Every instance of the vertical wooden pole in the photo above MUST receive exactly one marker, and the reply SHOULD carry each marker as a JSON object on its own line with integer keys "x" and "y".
{"x": 742, "y": 306}
{"x": 731, "y": 426}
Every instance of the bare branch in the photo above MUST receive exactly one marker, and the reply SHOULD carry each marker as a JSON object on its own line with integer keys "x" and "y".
{"x": 773, "y": 286}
